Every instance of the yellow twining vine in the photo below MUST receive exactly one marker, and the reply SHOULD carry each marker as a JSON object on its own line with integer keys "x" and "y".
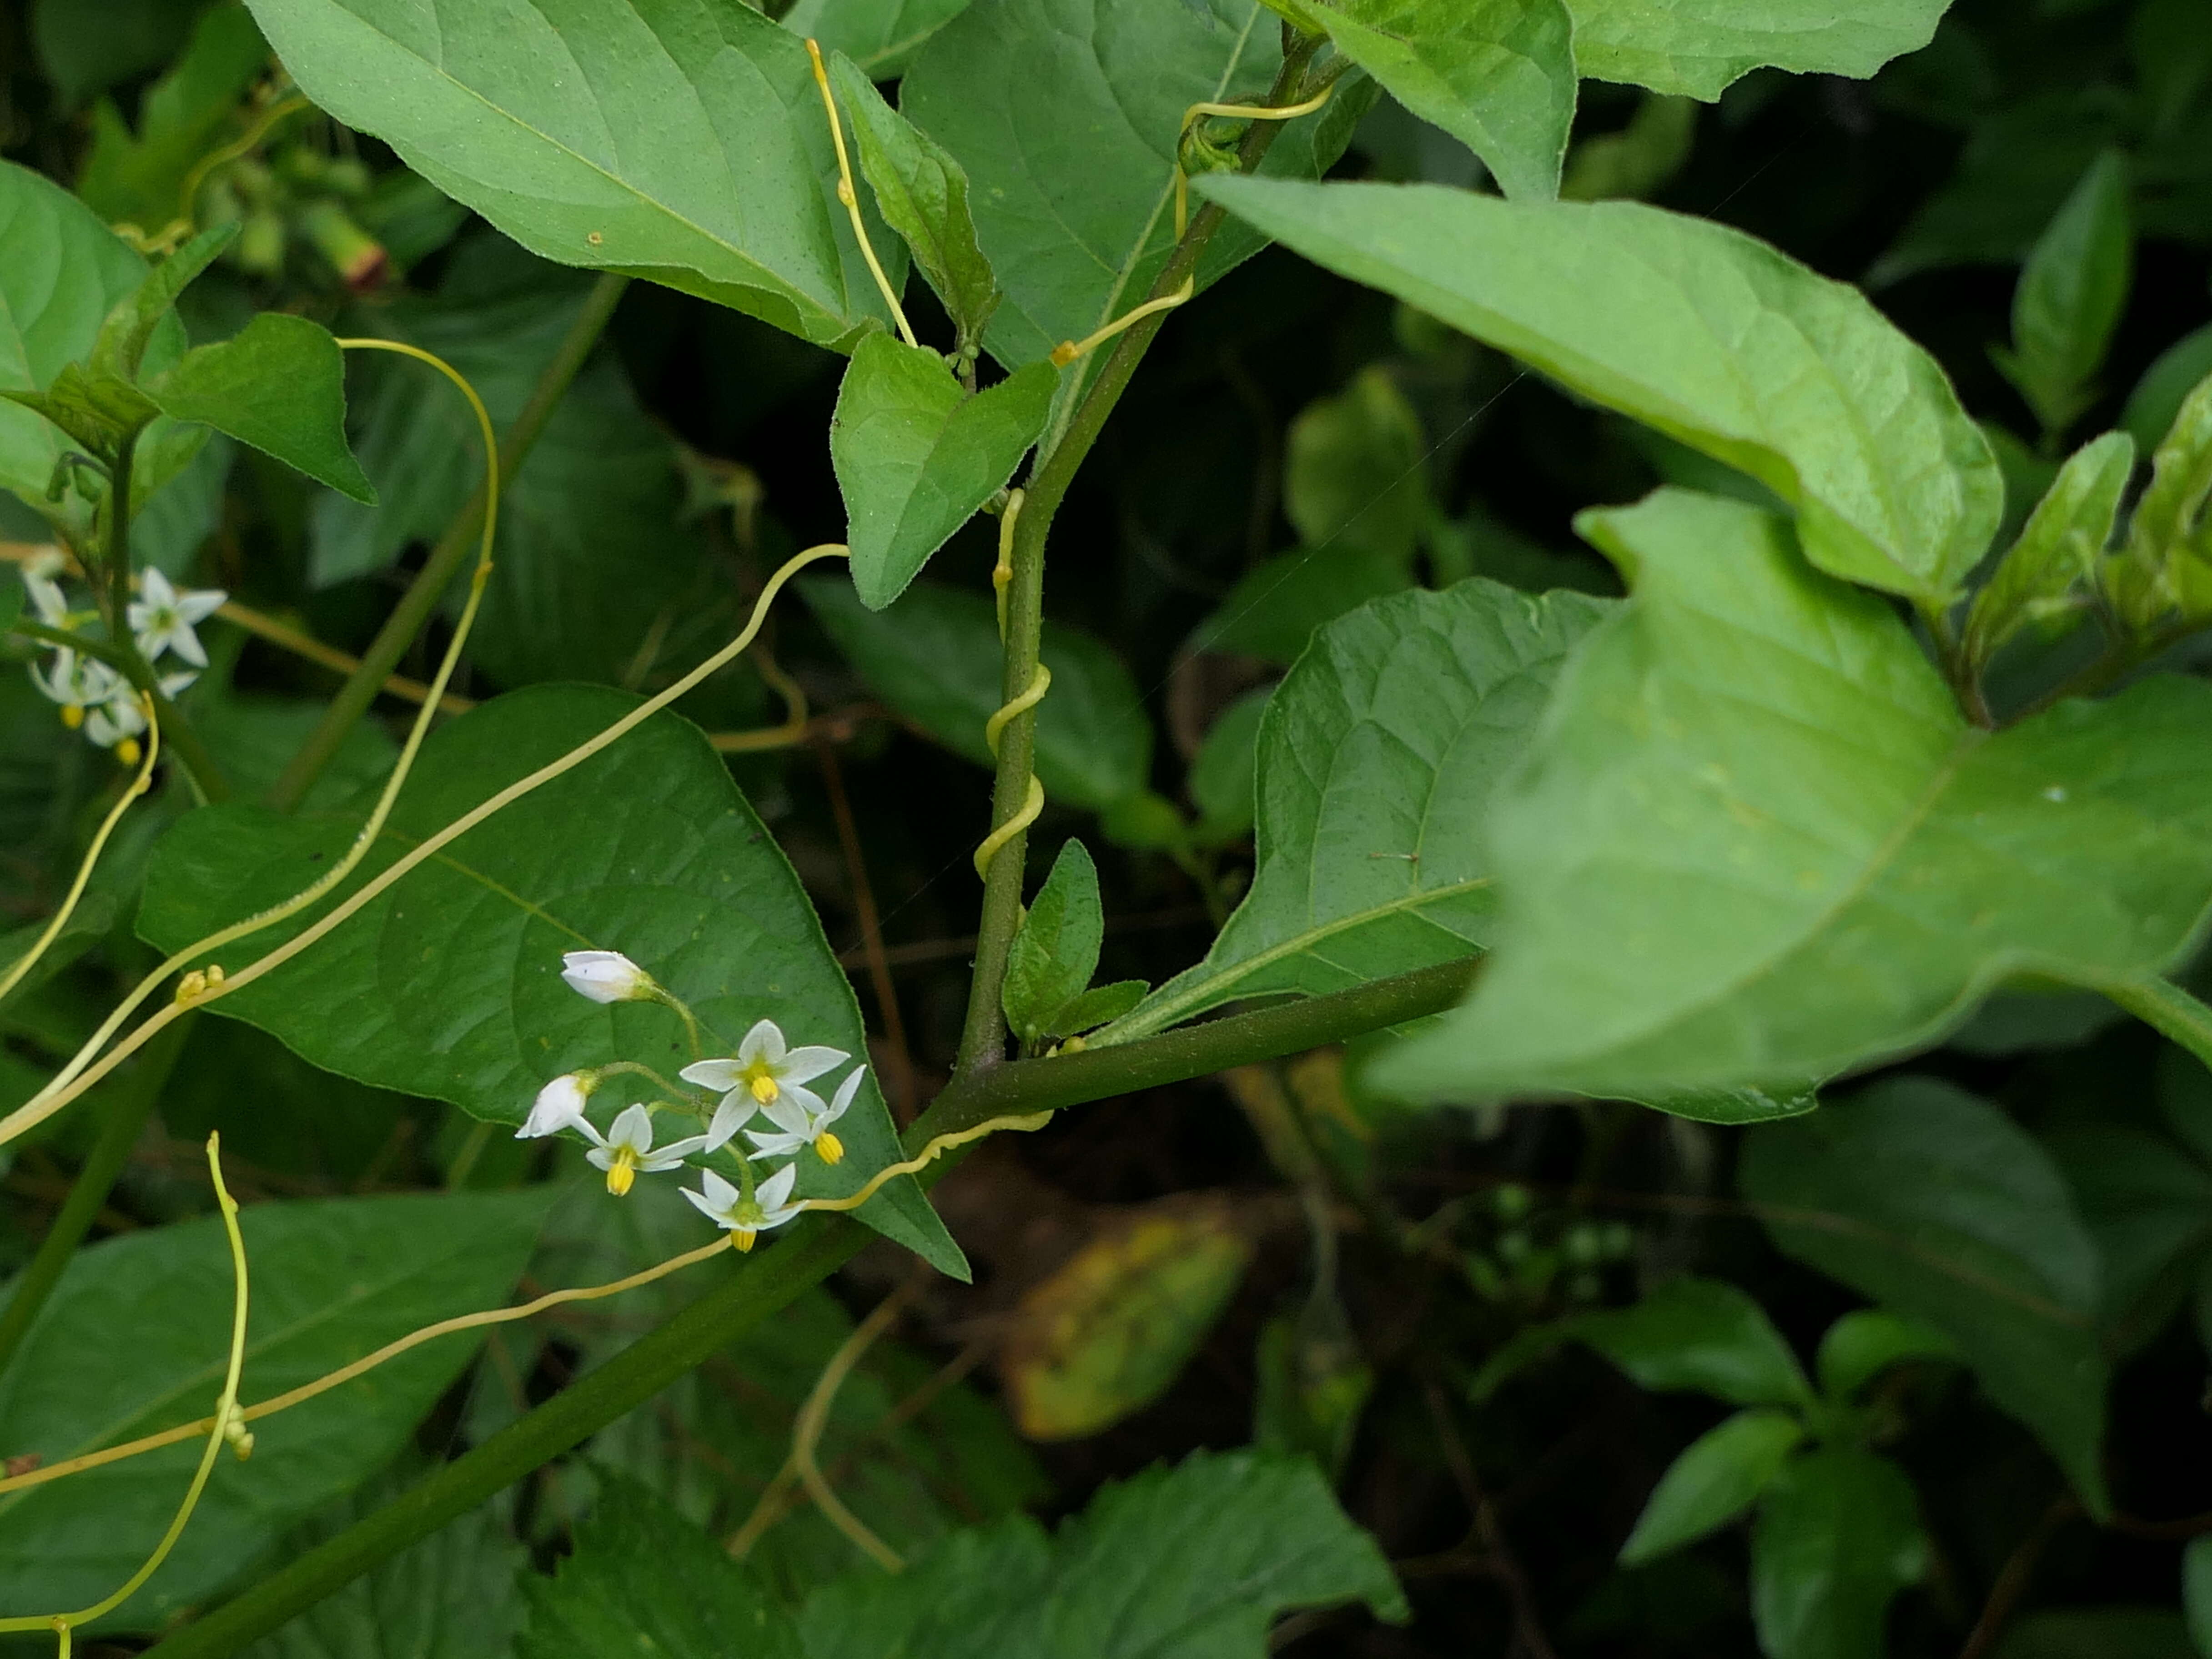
{"x": 226, "y": 1424}
{"x": 994, "y": 729}
{"x": 850, "y": 196}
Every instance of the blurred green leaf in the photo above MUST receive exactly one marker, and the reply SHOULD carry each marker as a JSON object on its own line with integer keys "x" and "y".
{"x": 88, "y": 49}
{"x": 2070, "y": 296}
{"x": 1762, "y": 843}
{"x": 139, "y": 178}
{"x": 448, "y": 986}
{"x": 1837, "y": 1536}
{"x": 279, "y": 385}
{"x": 1637, "y": 161}
{"x": 2099, "y": 1633}
{"x": 2196, "y": 1591}
{"x": 881, "y": 36}
{"x": 1866, "y": 1342}
{"x": 1717, "y": 1478}
{"x": 934, "y": 658}
{"x": 1699, "y": 1333}
{"x": 461, "y": 96}
{"x": 1937, "y": 1205}
{"x": 2158, "y": 396}
{"x": 916, "y": 456}
{"x": 1356, "y": 477}
{"x": 1696, "y": 51}
{"x": 2148, "y": 1207}
{"x": 1224, "y": 780}
{"x": 1275, "y": 607}
{"x": 1715, "y": 339}
{"x": 332, "y": 1279}
{"x": 1376, "y": 759}
{"x": 1053, "y": 956}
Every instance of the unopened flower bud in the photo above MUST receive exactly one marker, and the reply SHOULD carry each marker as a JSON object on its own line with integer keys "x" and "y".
{"x": 606, "y": 976}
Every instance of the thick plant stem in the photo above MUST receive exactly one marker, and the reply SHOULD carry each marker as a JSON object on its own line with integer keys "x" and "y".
{"x": 983, "y": 1035}
{"x": 131, "y": 1104}
{"x": 815, "y": 1247}
{"x": 2172, "y": 1011}
{"x": 423, "y": 593}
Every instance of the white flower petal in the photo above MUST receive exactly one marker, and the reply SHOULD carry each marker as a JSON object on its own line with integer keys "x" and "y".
{"x": 706, "y": 1207}
{"x": 804, "y": 1065}
{"x": 605, "y": 975}
{"x": 777, "y": 1189}
{"x": 559, "y": 1105}
{"x": 633, "y": 1128}
{"x": 767, "y": 1144}
{"x": 763, "y": 1042}
{"x": 719, "y": 1193}
{"x": 668, "y": 1157}
{"x": 796, "y": 1111}
{"x": 720, "y": 1075}
{"x": 735, "y": 1111}
{"x": 197, "y": 607}
{"x": 842, "y": 1102}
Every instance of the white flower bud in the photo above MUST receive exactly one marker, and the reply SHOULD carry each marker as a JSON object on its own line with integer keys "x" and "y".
{"x": 559, "y": 1105}
{"x": 606, "y": 976}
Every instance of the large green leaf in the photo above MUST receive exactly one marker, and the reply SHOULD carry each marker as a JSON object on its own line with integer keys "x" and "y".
{"x": 1376, "y": 759}
{"x": 1936, "y": 1204}
{"x": 1719, "y": 1475}
{"x": 1699, "y": 1333}
{"x": 934, "y": 658}
{"x": 448, "y": 985}
{"x": 332, "y": 1279}
{"x": 1837, "y": 1536}
{"x": 686, "y": 144}
{"x": 1192, "y": 1563}
{"x": 1697, "y": 47}
{"x": 916, "y": 455}
{"x": 1694, "y": 328}
{"x": 1498, "y": 74}
{"x": 1759, "y": 843}
{"x": 1072, "y": 153}
{"x": 279, "y": 384}
{"x": 881, "y": 36}
{"x": 2070, "y": 296}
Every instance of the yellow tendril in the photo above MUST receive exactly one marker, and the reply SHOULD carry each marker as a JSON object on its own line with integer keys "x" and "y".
{"x": 177, "y": 228}
{"x": 218, "y": 1428}
{"x": 1002, "y": 574}
{"x": 1068, "y": 350}
{"x": 919, "y": 1162}
{"x": 851, "y": 196}
{"x": 71, "y": 1081}
{"x": 1235, "y": 112}
{"x": 24, "y": 964}
{"x": 54, "y": 1097}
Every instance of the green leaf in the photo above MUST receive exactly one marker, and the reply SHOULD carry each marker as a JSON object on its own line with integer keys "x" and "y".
{"x": 1072, "y": 156}
{"x": 11, "y": 604}
{"x": 922, "y": 193}
{"x": 448, "y": 986}
{"x": 2044, "y": 574}
{"x": 1498, "y": 74}
{"x": 1697, "y": 49}
{"x": 1637, "y": 161}
{"x": 2157, "y": 397}
{"x": 1717, "y": 1477}
{"x": 1699, "y": 1333}
{"x": 1100, "y": 1006}
{"x": 1937, "y": 1205}
{"x": 139, "y": 178}
{"x": 1224, "y": 780}
{"x": 1275, "y": 607}
{"x": 1221, "y": 1546}
{"x": 1694, "y": 328}
{"x": 2196, "y": 1591}
{"x": 2070, "y": 296}
{"x": 934, "y": 658}
{"x": 101, "y": 412}
{"x": 2148, "y": 1207}
{"x": 881, "y": 36}
{"x": 61, "y": 272}
{"x": 916, "y": 455}
{"x": 87, "y": 49}
{"x": 1760, "y": 843}
{"x": 451, "y": 1595}
{"x": 332, "y": 1279}
{"x": 1056, "y": 951}
{"x": 1356, "y": 472}
{"x": 280, "y": 386}
{"x": 119, "y": 348}
{"x": 2099, "y": 1633}
{"x": 626, "y": 159}
{"x": 644, "y": 1580}
{"x": 1837, "y": 1536}
{"x": 1376, "y": 758}
{"x": 1863, "y": 1344}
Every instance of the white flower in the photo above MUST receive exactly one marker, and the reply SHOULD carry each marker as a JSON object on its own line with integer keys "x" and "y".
{"x": 162, "y": 620}
{"x": 77, "y": 683}
{"x": 117, "y": 720}
{"x": 742, "y": 1217}
{"x": 801, "y": 1120}
{"x": 606, "y": 976}
{"x": 45, "y": 595}
{"x": 626, "y": 1149}
{"x": 559, "y": 1105}
{"x": 762, "y": 1072}
{"x": 45, "y": 564}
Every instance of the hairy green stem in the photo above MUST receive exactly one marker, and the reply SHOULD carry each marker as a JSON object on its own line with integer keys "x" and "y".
{"x": 983, "y": 1034}
{"x": 815, "y": 1247}
{"x": 131, "y": 1103}
{"x": 2170, "y": 1010}
{"x": 423, "y": 593}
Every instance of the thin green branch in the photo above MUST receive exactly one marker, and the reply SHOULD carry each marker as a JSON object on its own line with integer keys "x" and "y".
{"x": 130, "y": 1104}
{"x": 2172, "y": 1011}
{"x": 428, "y": 588}
{"x": 815, "y": 1247}
{"x": 983, "y": 1034}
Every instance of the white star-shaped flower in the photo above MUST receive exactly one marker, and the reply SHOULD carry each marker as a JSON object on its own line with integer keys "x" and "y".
{"x": 762, "y": 1073}
{"x": 606, "y": 976}
{"x": 802, "y": 1120}
{"x": 77, "y": 683}
{"x": 45, "y": 596}
{"x": 745, "y": 1218}
{"x": 162, "y": 618}
{"x": 626, "y": 1151}
{"x": 559, "y": 1105}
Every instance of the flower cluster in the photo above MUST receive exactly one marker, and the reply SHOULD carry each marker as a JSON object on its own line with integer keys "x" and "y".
{"x": 93, "y": 695}
{"x": 766, "y": 1077}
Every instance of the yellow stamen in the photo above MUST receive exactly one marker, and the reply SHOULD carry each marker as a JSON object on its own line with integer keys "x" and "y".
{"x": 764, "y": 1089}
{"x": 743, "y": 1239}
{"x": 621, "y": 1174}
{"x": 829, "y": 1148}
{"x": 72, "y": 715}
